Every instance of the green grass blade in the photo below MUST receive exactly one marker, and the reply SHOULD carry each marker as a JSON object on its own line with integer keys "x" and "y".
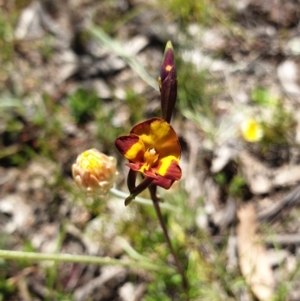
{"x": 117, "y": 48}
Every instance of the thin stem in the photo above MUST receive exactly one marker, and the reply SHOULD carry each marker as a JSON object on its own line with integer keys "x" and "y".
{"x": 34, "y": 256}
{"x": 131, "y": 251}
{"x": 138, "y": 189}
{"x": 180, "y": 270}
{"x": 142, "y": 201}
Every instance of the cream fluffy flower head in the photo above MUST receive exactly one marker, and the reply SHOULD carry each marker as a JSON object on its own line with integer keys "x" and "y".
{"x": 95, "y": 172}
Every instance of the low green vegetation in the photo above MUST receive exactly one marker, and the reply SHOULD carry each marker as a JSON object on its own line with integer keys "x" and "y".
{"x": 45, "y": 129}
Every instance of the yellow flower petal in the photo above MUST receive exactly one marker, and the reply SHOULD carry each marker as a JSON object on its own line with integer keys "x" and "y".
{"x": 251, "y": 130}
{"x": 157, "y": 133}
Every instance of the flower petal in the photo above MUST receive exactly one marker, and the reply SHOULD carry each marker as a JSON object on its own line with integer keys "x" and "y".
{"x": 157, "y": 133}
{"x": 131, "y": 179}
{"x": 138, "y": 189}
{"x": 131, "y": 147}
{"x": 163, "y": 182}
{"x": 159, "y": 180}
{"x": 168, "y": 167}
{"x": 134, "y": 166}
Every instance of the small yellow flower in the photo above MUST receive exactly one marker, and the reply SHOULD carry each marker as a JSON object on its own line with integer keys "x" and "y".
{"x": 95, "y": 171}
{"x": 251, "y": 130}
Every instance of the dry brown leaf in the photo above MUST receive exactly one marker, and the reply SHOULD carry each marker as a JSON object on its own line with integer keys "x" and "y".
{"x": 253, "y": 259}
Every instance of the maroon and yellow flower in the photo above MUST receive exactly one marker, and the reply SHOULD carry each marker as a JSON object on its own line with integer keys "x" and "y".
{"x": 153, "y": 149}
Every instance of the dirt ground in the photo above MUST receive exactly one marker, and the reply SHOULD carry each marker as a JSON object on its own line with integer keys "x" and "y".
{"x": 77, "y": 74}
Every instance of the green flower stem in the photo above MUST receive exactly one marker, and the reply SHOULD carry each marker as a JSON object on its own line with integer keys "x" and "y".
{"x": 34, "y": 256}
{"x": 131, "y": 251}
{"x": 123, "y": 195}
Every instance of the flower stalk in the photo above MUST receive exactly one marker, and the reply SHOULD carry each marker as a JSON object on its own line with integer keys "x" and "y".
{"x": 143, "y": 201}
{"x": 156, "y": 204}
{"x": 35, "y": 256}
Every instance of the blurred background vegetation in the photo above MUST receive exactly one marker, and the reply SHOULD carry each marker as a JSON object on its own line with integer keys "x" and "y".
{"x": 77, "y": 74}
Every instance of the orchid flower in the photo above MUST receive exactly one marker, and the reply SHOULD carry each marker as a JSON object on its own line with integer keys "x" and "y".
{"x": 152, "y": 146}
{"x": 153, "y": 149}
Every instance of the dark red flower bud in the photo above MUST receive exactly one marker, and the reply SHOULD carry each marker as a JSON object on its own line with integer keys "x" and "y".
{"x": 168, "y": 83}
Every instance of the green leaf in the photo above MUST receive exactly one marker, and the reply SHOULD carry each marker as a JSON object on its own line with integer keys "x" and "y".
{"x": 117, "y": 48}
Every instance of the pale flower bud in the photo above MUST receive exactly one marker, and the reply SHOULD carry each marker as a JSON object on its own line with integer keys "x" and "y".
{"x": 95, "y": 171}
